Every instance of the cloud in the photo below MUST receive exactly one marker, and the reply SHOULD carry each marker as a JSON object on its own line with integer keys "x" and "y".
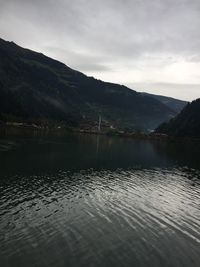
{"x": 79, "y": 59}
{"x": 177, "y": 90}
{"x": 122, "y": 41}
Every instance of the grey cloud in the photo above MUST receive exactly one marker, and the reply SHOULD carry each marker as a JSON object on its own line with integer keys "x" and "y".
{"x": 98, "y": 35}
{"x": 181, "y": 91}
{"x": 79, "y": 60}
{"x": 122, "y": 28}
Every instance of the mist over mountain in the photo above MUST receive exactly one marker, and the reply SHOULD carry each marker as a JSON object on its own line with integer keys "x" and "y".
{"x": 173, "y": 103}
{"x": 185, "y": 124}
{"x": 34, "y": 86}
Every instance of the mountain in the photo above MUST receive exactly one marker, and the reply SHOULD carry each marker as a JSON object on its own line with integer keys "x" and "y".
{"x": 36, "y": 87}
{"x": 174, "y": 104}
{"x": 185, "y": 124}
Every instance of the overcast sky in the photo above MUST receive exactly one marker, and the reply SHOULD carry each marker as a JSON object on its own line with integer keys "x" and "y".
{"x": 148, "y": 45}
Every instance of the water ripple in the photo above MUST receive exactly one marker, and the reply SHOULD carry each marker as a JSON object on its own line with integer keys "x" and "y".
{"x": 140, "y": 216}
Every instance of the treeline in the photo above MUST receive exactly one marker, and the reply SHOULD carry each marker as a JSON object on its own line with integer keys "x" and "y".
{"x": 185, "y": 124}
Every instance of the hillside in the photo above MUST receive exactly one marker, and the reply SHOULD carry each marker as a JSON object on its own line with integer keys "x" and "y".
{"x": 34, "y": 86}
{"x": 173, "y": 103}
{"x": 185, "y": 124}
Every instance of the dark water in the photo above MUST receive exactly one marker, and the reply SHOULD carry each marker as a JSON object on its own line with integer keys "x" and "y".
{"x": 79, "y": 200}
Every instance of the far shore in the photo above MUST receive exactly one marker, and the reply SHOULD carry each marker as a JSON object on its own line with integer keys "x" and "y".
{"x": 23, "y": 128}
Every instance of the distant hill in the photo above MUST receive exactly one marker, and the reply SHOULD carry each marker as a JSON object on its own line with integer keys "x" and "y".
{"x": 34, "y": 86}
{"x": 173, "y": 103}
{"x": 185, "y": 124}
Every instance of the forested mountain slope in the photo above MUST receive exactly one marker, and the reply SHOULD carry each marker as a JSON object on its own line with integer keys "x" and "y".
{"x": 34, "y": 86}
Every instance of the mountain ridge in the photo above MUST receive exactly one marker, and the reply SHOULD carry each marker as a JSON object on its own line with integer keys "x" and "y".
{"x": 173, "y": 103}
{"x": 34, "y": 86}
{"x": 185, "y": 124}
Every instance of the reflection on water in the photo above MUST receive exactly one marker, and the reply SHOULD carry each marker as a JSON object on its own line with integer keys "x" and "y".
{"x": 80, "y": 200}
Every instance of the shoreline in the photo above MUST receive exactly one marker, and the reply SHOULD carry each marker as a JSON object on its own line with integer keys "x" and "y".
{"x": 20, "y": 128}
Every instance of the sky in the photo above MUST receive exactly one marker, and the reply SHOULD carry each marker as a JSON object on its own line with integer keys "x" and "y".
{"x": 148, "y": 45}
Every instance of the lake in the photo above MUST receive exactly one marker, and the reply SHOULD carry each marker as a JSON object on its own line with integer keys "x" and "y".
{"x": 87, "y": 200}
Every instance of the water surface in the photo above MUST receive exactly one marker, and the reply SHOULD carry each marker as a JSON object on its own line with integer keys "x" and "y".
{"x": 81, "y": 200}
